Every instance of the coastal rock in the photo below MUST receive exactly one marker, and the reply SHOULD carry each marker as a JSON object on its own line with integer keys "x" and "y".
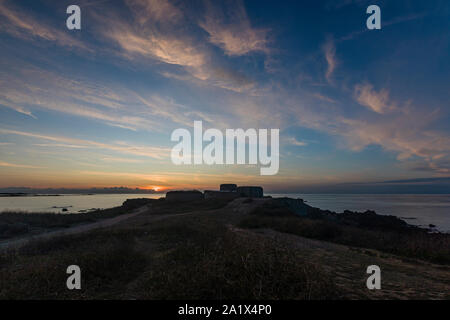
{"x": 130, "y": 204}
{"x": 295, "y": 205}
{"x": 184, "y": 196}
{"x": 250, "y": 191}
{"x": 212, "y": 194}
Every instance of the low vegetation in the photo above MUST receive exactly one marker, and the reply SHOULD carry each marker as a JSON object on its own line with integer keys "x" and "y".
{"x": 38, "y": 271}
{"x": 203, "y": 255}
{"x": 367, "y": 230}
{"x": 161, "y": 206}
{"x": 205, "y": 260}
{"x": 15, "y": 224}
{"x": 192, "y": 256}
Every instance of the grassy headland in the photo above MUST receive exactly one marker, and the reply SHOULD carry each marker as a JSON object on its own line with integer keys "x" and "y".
{"x": 255, "y": 249}
{"x": 365, "y": 230}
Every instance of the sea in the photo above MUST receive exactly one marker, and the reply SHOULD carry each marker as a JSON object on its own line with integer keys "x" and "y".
{"x": 416, "y": 209}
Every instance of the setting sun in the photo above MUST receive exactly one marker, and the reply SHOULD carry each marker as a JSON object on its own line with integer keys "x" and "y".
{"x": 155, "y": 188}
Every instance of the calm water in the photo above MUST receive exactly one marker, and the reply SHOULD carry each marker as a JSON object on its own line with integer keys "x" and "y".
{"x": 73, "y": 203}
{"x": 415, "y": 209}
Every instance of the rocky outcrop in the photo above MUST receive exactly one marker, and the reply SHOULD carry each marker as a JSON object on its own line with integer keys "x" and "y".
{"x": 137, "y": 203}
{"x": 211, "y": 194}
{"x": 184, "y": 196}
{"x": 250, "y": 191}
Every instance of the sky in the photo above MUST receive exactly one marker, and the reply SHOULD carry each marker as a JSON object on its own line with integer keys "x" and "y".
{"x": 96, "y": 107}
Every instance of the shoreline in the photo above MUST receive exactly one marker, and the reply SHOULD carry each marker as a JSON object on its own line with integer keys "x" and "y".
{"x": 68, "y": 220}
{"x": 396, "y": 205}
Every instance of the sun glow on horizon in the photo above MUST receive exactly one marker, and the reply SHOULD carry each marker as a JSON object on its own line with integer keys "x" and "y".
{"x": 154, "y": 188}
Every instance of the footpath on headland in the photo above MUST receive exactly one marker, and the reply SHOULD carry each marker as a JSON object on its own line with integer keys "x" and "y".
{"x": 17, "y": 243}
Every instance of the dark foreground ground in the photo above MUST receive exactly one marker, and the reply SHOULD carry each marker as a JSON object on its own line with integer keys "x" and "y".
{"x": 245, "y": 249}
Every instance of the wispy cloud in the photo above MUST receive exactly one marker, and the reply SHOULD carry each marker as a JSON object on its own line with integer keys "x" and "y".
{"x": 329, "y": 50}
{"x": 400, "y": 19}
{"x": 293, "y": 141}
{"x": 234, "y": 35}
{"x": 402, "y": 128}
{"x": 11, "y": 105}
{"x": 32, "y": 88}
{"x": 163, "y": 48}
{"x": 23, "y": 25}
{"x": 376, "y": 101}
{"x": 124, "y": 148}
{"x": 324, "y": 98}
{"x": 407, "y": 134}
{"x": 122, "y": 160}
{"x": 212, "y": 63}
{"x": 59, "y": 145}
{"x": 15, "y": 165}
{"x": 155, "y": 33}
{"x": 169, "y": 38}
{"x": 154, "y": 10}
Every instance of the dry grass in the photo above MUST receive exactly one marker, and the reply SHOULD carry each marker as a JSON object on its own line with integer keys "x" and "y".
{"x": 13, "y": 224}
{"x": 199, "y": 256}
{"x": 412, "y": 243}
{"x": 107, "y": 261}
{"x": 186, "y": 257}
{"x": 204, "y": 260}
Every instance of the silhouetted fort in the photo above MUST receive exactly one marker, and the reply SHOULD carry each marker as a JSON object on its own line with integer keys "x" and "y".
{"x": 227, "y": 191}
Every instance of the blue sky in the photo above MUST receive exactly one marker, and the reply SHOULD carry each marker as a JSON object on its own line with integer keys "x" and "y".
{"x": 95, "y": 107}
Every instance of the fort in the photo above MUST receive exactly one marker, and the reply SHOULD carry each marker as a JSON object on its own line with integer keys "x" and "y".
{"x": 227, "y": 191}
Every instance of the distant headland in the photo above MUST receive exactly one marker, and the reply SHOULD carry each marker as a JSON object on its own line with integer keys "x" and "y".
{"x": 26, "y": 191}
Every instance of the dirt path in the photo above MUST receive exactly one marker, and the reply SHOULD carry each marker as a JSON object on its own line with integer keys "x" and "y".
{"x": 17, "y": 243}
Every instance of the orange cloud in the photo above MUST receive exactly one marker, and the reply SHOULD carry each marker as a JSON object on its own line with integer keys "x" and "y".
{"x": 375, "y": 101}
{"x": 15, "y": 165}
